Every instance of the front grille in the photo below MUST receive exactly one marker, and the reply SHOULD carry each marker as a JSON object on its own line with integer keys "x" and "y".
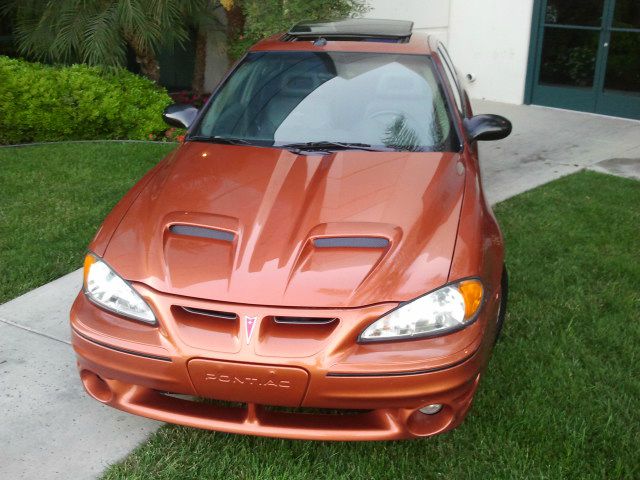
{"x": 267, "y": 408}
{"x": 211, "y": 313}
{"x": 304, "y": 320}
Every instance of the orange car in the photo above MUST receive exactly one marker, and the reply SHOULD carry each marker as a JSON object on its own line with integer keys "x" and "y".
{"x": 317, "y": 258}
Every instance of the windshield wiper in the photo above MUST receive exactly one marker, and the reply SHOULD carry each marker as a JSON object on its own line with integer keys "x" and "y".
{"x": 221, "y": 140}
{"x": 328, "y": 146}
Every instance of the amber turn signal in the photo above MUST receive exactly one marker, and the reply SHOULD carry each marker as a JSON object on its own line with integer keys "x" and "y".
{"x": 88, "y": 261}
{"x": 471, "y": 291}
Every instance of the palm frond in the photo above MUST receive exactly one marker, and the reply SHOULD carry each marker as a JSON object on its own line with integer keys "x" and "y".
{"x": 103, "y": 43}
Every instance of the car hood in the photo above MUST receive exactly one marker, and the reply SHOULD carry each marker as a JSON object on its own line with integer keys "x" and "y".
{"x": 346, "y": 229}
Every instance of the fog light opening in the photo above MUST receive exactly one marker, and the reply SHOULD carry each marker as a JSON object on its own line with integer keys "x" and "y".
{"x": 96, "y": 386}
{"x": 431, "y": 409}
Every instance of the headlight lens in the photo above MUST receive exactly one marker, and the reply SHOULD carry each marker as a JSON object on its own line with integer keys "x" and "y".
{"x": 448, "y": 308}
{"x": 104, "y": 287}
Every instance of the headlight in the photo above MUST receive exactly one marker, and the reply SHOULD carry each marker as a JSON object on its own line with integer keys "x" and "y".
{"x": 104, "y": 287}
{"x": 444, "y": 310}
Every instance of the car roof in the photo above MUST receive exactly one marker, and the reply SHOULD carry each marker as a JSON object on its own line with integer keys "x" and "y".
{"x": 353, "y": 35}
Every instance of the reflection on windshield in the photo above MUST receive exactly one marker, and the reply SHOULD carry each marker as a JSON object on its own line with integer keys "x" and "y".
{"x": 399, "y": 135}
{"x": 382, "y": 100}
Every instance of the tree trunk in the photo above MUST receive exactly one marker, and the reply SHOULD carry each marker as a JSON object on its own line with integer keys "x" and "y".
{"x": 235, "y": 21}
{"x": 197, "y": 84}
{"x": 235, "y": 24}
{"x": 146, "y": 58}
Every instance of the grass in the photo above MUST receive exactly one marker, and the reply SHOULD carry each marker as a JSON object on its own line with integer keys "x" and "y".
{"x": 561, "y": 397}
{"x": 52, "y": 200}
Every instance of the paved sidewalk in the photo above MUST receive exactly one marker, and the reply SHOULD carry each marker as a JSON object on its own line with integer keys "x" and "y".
{"x": 548, "y": 143}
{"x": 50, "y": 429}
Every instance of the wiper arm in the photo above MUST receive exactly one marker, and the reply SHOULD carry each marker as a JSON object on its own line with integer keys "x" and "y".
{"x": 327, "y": 146}
{"x": 221, "y": 140}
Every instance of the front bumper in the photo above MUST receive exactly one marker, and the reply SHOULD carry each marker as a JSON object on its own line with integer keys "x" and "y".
{"x": 280, "y": 380}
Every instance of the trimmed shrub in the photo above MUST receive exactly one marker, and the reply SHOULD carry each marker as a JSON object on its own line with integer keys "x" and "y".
{"x": 45, "y": 103}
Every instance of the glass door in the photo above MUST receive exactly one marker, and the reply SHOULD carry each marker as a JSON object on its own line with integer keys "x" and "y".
{"x": 619, "y": 92}
{"x": 571, "y": 33}
{"x": 587, "y": 56}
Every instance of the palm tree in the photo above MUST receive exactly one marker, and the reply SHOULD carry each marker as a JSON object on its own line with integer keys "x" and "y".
{"x": 202, "y": 25}
{"x": 98, "y": 32}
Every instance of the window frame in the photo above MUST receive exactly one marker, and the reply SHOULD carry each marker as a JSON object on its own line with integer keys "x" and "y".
{"x": 460, "y": 95}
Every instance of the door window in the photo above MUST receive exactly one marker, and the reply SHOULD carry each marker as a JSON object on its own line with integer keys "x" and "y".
{"x": 569, "y": 57}
{"x": 574, "y": 12}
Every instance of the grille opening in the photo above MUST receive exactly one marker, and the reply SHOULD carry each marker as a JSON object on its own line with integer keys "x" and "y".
{"x": 179, "y": 396}
{"x": 211, "y": 313}
{"x": 208, "y": 401}
{"x": 314, "y": 411}
{"x": 304, "y": 320}
{"x": 220, "y": 403}
{"x": 266, "y": 408}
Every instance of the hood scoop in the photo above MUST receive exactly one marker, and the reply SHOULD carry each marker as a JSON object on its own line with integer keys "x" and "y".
{"x": 202, "y": 232}
{"x": 351, "y": 242}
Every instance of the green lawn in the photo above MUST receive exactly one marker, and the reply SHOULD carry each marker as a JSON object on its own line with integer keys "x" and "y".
{"x": 561, "y": 397}
{"x": 52, "y": 200}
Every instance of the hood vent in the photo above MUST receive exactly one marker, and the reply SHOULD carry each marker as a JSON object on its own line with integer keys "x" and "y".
{"x": 351, "y": 242}
{"x": 211, "y": 313}
{"x": 202, "y": 232}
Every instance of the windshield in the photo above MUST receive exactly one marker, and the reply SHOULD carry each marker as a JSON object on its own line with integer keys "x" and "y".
{"x": 385, "y": 101}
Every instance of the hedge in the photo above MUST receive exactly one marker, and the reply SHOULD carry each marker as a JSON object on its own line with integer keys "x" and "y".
{"x": 49, "y": 103}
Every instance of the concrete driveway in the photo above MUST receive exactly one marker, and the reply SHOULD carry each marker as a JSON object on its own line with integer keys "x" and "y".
{"x": 50, "y": 429}
{"x": 548, "y": 143}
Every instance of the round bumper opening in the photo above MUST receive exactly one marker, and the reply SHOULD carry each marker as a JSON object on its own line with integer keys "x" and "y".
{"x": 96, "y": 386}
{"x": 422, "y": 424}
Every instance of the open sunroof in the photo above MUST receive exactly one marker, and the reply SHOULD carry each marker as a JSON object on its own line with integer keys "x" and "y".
{"x": 352, "y": 29}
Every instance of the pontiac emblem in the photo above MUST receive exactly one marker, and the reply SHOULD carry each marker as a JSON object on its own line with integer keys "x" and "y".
{"x": 250, "y": 323}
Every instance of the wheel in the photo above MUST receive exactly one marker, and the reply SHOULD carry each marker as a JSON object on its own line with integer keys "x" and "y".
{"x": 504, "y": 296}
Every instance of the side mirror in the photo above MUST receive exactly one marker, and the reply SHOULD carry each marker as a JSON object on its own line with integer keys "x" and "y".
{"x": 487, "y": 127}
{"x": 179, "y": 115}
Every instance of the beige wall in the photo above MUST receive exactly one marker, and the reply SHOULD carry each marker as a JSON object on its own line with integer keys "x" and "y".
{"x": 430, "y": 16}
{"x": 490, "y": 39}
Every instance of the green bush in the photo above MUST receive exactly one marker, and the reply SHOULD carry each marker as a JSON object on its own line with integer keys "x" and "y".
{"x": 45, "y": 103}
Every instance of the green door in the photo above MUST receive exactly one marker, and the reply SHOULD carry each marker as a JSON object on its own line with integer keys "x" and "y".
{"x": 585, "y": 55}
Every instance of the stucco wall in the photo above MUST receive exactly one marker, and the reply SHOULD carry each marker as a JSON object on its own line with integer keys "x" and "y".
{"x": 430, "y": 16}
{"x": 487, "y": 38}
{"x": 490, "y": 39}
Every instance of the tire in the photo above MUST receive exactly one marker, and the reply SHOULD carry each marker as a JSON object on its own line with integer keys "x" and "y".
{"x": 504, "y": 297}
